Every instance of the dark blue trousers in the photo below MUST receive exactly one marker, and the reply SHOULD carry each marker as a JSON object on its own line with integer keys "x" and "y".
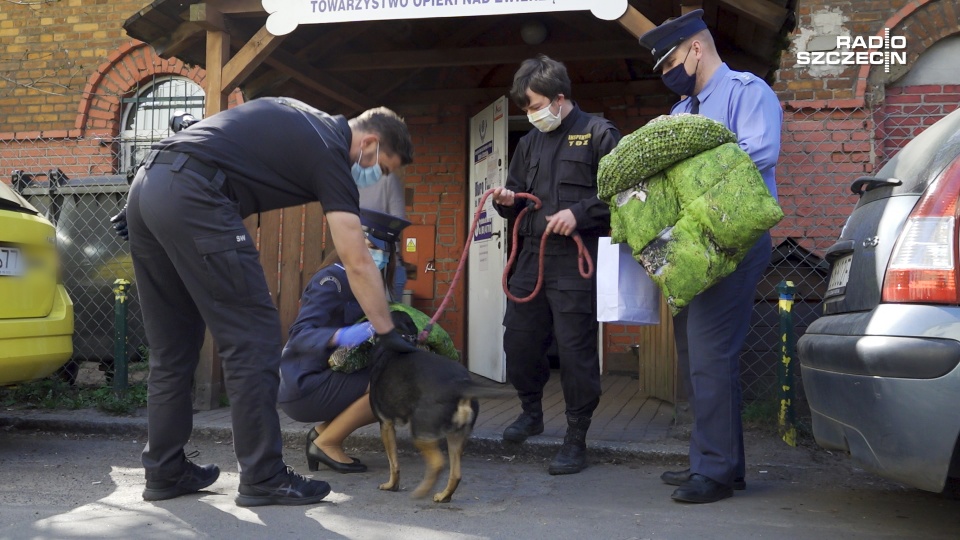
{"x": 710, "y": 333}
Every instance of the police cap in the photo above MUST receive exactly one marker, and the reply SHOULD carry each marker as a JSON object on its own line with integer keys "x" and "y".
{"x": 665, "y": 38}
{"x": 382, "y": 226}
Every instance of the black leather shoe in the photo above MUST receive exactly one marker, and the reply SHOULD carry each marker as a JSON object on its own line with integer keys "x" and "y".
{"x": 701, "y": 489}
{"x": 286, "y": 488}
{"x": 676, "y": 478}
{"x": 525, "y": 425}
{"x": 316, "y": 456}
{"x": 193, "y": 479}
{"x": 312, "y": 435}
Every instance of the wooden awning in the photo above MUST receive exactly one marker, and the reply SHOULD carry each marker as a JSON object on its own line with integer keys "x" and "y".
{"x": 348, "y": 67}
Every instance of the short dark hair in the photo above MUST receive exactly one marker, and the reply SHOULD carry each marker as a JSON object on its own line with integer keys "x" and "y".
{"x": 542, "y": 75}
{"x": 391, "y": 128}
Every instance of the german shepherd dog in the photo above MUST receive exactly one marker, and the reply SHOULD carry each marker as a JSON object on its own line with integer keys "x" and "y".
{"x": 435, "y": 395}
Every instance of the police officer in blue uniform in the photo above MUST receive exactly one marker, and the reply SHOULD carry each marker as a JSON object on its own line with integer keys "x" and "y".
{"x": 338, "y": 403}
{"x": 556, "y": 161}
{"x": 196, "y": 266}
{"x": 711, "y": 330}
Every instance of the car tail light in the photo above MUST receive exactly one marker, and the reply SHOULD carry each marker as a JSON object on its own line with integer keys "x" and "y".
{"x": 923, "y": 265}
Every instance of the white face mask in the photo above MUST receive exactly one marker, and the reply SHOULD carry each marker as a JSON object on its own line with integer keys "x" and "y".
{"x": 544, "y": 119}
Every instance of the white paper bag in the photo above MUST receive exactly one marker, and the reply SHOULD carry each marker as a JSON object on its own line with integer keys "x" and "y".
{"x": 625, "y": 292}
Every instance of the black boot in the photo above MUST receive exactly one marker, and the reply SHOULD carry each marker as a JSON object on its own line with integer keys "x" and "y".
{"x": 572, "y": 457}
{"x": 530, "y": 422}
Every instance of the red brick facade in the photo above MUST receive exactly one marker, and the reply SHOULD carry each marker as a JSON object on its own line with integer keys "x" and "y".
{"x": 49, "y": 53}
{"x": 844, "y": 124}
{"x": 909, "y": 110}
{"x": 438, "y": 178}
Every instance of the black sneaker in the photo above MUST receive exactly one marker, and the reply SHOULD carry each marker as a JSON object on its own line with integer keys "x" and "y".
{"x": 193, "y": 479}
{"x": 287, "y": 488}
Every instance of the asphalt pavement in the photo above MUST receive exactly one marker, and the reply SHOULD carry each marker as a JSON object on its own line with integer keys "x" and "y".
{"x": 76, "y": 474}
{"x": 62, "y": 486}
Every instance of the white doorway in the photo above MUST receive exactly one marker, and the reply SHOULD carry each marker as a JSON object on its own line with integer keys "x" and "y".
{"x": 487, "y": 256}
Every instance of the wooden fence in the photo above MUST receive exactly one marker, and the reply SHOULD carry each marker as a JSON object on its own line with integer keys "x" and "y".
{"x": 292, "y": 243}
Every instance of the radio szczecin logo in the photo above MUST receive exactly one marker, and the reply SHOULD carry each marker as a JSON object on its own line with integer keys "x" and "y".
{"x": 857, "y": 50}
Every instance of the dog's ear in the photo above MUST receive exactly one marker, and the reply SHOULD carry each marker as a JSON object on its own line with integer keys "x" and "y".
{"x": 404, "y": 323}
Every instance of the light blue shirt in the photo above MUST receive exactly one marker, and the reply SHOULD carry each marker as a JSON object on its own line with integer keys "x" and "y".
{"x": 749, "y": 108}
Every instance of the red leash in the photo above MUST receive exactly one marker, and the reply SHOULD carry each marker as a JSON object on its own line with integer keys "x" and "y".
{"x": 583, "y": 257}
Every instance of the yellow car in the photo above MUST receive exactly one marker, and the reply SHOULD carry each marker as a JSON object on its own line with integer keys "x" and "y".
{"x": 36, "y": 313}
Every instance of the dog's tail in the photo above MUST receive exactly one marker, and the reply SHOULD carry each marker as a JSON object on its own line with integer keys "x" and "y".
{"x": 463, "y": 416}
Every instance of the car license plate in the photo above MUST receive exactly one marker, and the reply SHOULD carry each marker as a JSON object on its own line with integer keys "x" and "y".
{"x": 840, "y": 274}
{"x": 11, "y": 264}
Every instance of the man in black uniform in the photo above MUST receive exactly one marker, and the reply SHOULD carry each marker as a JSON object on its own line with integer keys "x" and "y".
{"x": 196, "y": 265}
{"x": 557, "y": 161}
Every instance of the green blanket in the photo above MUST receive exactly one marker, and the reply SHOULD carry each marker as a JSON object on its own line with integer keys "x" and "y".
{"x": 348, "y": 360}
{"x": 691, "y": 224}
{"x": 660, "y": 143}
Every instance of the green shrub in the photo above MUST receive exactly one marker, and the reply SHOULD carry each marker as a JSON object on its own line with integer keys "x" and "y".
{"x": 56, "y": 394}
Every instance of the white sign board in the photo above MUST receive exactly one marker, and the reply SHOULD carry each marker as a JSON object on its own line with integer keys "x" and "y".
{"x": 286, "y": 15}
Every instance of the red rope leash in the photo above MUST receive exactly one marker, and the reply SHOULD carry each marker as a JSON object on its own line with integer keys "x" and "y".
{"x": 583, "y": 257}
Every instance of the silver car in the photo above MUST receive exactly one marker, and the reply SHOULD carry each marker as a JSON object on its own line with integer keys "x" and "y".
{"x": 880, "y": 367}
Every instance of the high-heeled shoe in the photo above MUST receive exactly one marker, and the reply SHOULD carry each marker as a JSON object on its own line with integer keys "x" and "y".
{"x": 312, "y": 436}
{"x": 316, "y": 456}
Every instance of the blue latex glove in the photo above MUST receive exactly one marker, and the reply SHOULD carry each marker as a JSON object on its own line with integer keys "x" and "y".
{"x": 351, "y": 336}
{"x": 120, "y": 224}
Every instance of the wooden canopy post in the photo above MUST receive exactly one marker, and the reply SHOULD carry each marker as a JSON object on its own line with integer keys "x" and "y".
{"x": 635, "y": 22}
{"x": 223, "y": 75}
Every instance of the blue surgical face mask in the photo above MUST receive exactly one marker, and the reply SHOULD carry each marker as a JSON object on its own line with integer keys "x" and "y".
{"x": 380, "y": 257}
{"x": 366, "y": 176}
{"x": 678, "y": 80}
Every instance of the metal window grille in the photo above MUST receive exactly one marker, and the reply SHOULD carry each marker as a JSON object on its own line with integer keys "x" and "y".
{"x": 146, "y": 116}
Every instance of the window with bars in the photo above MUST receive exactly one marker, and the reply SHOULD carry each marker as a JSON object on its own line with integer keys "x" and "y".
{"x": 146, "y": 116}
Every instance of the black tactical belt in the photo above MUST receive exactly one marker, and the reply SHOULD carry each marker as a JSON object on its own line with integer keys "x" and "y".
{"x": 185, "y": 161}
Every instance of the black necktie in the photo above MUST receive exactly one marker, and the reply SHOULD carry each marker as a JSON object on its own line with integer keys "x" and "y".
{"x": 694, "y": 105}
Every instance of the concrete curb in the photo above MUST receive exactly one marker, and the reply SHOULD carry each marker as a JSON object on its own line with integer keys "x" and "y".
{"x": 365, "y": 440}
{"x": 534, "y": 448}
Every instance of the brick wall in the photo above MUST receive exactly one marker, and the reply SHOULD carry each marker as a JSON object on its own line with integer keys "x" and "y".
{"x": 909, "y": 110}
{"x": 55, "y": 150}
{"x": 836, "y": 123}
{"x": 921, "y": 22}
{"x": 438, "y": 177}
{"x": 822, "y": 151}
{"x": 48, "y": 51}
{"x": 64, "y": 69}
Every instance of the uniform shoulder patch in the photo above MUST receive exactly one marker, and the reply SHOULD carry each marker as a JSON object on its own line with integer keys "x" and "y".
{"x": 331, "y": 279}
{"x": 745, "y": 78}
